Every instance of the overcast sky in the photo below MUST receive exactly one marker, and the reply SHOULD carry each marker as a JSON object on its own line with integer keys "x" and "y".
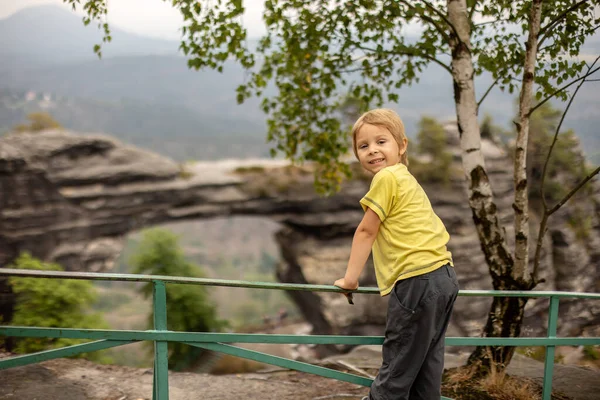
{"x": 155, "y": 18}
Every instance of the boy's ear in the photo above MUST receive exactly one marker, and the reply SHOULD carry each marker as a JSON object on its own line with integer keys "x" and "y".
{"x": 404, "y": 147}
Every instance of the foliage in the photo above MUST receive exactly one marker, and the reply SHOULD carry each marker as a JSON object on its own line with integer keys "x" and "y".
{"x": 566, "y": 163}
{"x": 38, "y": 121}
{"x": 185, "y": 172}
{"x": 432, "y": 145}
{"x": 189, "y": 308}
{"x": 318, "y": 52}
{"x": 538, "y": 353}
{"x": 431, "y": 137}
{"x": 581, "y": 224}
{"x": 315, "y": 53}
{"x": 351, "y": 108}
{"x": 489, "y": 130}
{"x": 485, "y": 128}
{"x": 52, "y": 303}
{"x": 591, "y": 352}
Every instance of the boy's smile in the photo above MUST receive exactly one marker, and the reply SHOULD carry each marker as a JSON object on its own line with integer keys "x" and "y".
{"x": 377, "y": 148}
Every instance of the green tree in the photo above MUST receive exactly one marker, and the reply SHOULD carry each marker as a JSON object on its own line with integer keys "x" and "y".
{"x": 491, "y": 131}
{"x": 432, "y": 145}
{"x": 350, "y": 109}
{"x": 431, "y": 137}
{"x": 38, "y": 121}
{"x": 189, "y": 308}
{"x": 566, "y": 163}
{"x": 316, "y": 52}
{"x": 52, "y": 303}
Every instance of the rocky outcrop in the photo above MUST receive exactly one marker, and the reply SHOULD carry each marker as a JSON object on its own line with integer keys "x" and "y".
{"x": 72, "y": 199}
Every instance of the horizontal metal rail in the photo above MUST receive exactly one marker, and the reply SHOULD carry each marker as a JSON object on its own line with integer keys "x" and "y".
{"x": 191, "y": 337}
{"x": 95, "y": 276}
{"x": 160, "y": 335}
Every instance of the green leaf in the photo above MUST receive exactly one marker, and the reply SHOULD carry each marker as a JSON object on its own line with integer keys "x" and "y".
{"x": 315, "y": 52}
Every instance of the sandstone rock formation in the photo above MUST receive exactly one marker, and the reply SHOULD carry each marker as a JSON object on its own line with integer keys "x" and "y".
{"x": 72, "y": 199}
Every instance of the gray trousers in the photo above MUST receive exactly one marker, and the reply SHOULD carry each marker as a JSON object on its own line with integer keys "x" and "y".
{"x": 419, "y": 310}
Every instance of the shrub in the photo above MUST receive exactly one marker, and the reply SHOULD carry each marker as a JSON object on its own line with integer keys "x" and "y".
{"x": 431, "y": 144}
{"x": 51, "y": 303}
{"x": 189, "y": 308}
{"x": 38, "y": 121}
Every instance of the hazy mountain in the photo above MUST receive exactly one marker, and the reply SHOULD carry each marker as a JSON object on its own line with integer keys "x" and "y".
{"x": 149, "y": 78}
{"x": 51, "y": 34}
{"x": 174, "y": 131}
{"x": 142, "y": 89}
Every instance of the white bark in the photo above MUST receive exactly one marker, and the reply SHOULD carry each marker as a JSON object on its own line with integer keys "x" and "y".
{"x": 521, "y": 205}
{"x": 485, "y": 215}
{"x": 464, "y": 87}
{"x": 506, "y": 313}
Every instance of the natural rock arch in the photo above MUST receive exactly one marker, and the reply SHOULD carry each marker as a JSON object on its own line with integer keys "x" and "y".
{"x": 72, "y": 199}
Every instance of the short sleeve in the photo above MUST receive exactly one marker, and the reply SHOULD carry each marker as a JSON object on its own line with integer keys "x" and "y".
{"x": 381, "y": 195}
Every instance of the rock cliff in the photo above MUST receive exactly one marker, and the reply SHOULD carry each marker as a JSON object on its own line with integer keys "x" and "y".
{"x": 72, "y": 199}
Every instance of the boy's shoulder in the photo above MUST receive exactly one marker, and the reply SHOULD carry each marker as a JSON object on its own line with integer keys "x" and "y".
{"x": 399, "y": 174}
{"x": 398, "y": 171}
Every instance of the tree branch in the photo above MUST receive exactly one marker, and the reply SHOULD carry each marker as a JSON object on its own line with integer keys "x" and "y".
{"x": 350, "y": 70}
{"x": 573, "y": 191}
{"x": 433, "y": 22}
{"x": 561, "y": 89}
{"x": 407, "y": 52}
{"x": 544, "y": 225}
{"x": 442, "y": 16}
{"x": 542, "y": 34}
{"x": 488, "y": 22}
{"x": 586, "y": 33}
{"x": 487, "y": 92}
{"x": 555, "y": 138}
{"x": 547, "y": 212}
{"x": 538, "y": 248}
{"x": 472, "y": 12}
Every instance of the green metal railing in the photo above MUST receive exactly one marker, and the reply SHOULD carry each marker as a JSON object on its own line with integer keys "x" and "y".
{"x": 160, "y": 335}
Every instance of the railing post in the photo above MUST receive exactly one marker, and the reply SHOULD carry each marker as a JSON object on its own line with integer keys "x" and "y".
{"x": 549, "y": 361}
{"x": 161, "y": 362}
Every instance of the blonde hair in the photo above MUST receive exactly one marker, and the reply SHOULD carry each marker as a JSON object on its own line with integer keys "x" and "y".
{"x": 385, "y": 118}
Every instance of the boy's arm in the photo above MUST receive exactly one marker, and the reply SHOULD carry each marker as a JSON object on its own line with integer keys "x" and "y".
{"x": 361, "y": 248}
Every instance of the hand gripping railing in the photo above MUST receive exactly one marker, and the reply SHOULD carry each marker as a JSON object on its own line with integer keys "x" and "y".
{"x": 218, "y": 341}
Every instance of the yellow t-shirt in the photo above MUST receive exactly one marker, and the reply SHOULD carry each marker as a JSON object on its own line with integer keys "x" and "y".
{"x": 412, "y": 239}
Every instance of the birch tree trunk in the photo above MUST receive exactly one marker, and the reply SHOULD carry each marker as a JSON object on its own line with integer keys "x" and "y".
{"x": 521, "y": 205}
{"x": 506, "y": 314}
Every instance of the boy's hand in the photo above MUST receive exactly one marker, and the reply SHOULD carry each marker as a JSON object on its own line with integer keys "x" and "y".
{"x": 341, "y": 283}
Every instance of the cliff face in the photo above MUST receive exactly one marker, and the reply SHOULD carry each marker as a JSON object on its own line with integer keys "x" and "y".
{"x": 72, "y": 199}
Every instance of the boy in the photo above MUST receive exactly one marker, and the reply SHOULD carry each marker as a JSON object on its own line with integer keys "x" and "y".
{"x": 412, "y": 263}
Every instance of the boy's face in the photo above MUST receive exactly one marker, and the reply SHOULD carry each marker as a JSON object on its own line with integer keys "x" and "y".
{"x": 377, "y": 148}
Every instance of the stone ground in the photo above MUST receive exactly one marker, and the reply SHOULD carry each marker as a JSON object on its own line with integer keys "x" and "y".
{"x": 578, "y": 383}
{"x": 66, "y": 379}
{"x": 82, "y": 380}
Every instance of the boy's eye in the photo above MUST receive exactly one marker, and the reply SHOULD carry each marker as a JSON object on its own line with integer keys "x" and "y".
{"x": 362, "y": 146}
{"x": 381, "y": 141}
